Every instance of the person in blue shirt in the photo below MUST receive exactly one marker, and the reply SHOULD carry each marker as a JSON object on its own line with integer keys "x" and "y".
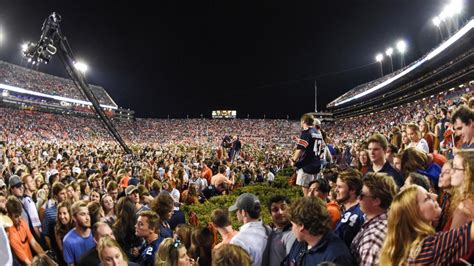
{"x": 377, "y": 146}
{"x": 316, "y": 243}
{"x": 163, "y": 205}
{"x": 348, "y": 189}
{"x": 147, "y": 227}
{"x": 79, "y": 240}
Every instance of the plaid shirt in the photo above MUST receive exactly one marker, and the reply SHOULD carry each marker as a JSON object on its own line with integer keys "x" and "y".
{"x": 367, "y": 243}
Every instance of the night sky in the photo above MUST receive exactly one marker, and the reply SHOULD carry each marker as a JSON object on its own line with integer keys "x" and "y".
{"x": 183, "y": 58}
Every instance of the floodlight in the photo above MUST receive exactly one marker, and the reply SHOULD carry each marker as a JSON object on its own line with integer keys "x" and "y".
{"x": 453, "y": 8}
{"x": 401, "y": 46}
{"x": 449, "y": 10}
{"x": 379, "y": 57}
{"x": 389, "y": 51}
{"x": 456, "y": 6}
{"x": 443, "y": 15}
{"x": 24, "y": 47}
{"x": 81, "y": 67}
{"x": 436, "y": 21}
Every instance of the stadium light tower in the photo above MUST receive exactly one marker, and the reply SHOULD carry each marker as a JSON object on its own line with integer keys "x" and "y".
{"x": 389, "y": 53}
{"x": 402, "y": 48}
{"x": 452, "y": 10}
{"x": 81, "y": 67}
{"x": 379, "y": 58}
{"x": 437, "y": 22}
{"x": 51, "y": 42}
{"x": 24, "y": 47}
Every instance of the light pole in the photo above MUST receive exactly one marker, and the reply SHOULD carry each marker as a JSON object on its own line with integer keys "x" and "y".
{"x": 379, "y": 58}
{"x": 402, "y": 47}
{"x": 389, "y": 53}
{"x": 437, "y": 21}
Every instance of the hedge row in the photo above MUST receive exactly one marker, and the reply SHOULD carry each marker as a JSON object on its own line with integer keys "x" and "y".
{"x": 263, "y": 191}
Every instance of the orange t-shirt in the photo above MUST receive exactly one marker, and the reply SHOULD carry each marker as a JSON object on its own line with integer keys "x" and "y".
{"x": 20, "y": 241}
{"x": 207, "y": 174}
{"x": 334, "y": 212}
{"x": 439, "y": 159}
{"x": 124, "y": 181}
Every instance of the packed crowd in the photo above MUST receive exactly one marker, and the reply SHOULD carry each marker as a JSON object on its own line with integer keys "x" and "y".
{"x": 37, "y": 126}
{"x": 40, "y": 82}
{"x": 64, "y": 172}
{"x": 433, "y": 110}
{"x": 389, "y": 189}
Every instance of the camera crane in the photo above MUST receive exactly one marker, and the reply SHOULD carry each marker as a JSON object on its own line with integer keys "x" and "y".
{"x": 51, "y": 42}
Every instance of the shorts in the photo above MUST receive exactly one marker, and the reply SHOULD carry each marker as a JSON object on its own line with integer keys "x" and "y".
{"x": 303, "y": 179}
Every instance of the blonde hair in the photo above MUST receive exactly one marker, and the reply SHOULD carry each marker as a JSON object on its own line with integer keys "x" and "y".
{"x": 230, "y": 255}
{"x": 468, "y": 165}
{"x": 168, "y": 252}
{"x": 76, "y": 207}
{"x": 107, "y": 242}
{"x": 406, "y": 229}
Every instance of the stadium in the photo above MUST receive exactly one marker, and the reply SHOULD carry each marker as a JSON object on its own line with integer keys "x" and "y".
{"x": 383, "y": 177}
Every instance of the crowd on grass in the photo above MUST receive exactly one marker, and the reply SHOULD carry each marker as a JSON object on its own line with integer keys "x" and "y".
{"x": 394, "y": 187}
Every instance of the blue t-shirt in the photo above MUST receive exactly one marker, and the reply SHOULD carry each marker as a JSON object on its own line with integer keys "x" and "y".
{"x": 75, "y": 245}
{"x": 389, "y": 170}
{"x": 350, "y": 223}
{"x": 329, "y": 249}
{"x": 165, "y": 232}
{"x": 147, "y": 256}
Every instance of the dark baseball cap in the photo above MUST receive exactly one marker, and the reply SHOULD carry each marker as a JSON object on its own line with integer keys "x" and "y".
{"x": 14, "y": 181}
{"x": 246, "y": 202}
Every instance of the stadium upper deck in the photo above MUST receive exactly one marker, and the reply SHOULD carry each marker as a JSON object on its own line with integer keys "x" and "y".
{"x": 31, "y": 83}
{"x": 448, "y": 64}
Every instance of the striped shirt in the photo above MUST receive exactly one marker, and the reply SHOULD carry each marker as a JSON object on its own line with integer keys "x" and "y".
{"x": 444, "y": 248}
{"x": 367, "y": 243}
{"x": 49, "y": 221}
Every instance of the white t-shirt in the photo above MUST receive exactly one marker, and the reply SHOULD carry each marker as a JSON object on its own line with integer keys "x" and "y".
{"x": 5, "y": 251}
{"x": 253, "y": 238}
{"x": 422, "y": 145}
{"x": 270, "y": 177}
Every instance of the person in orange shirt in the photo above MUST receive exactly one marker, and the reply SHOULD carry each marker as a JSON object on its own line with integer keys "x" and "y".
{"x": 320, "y": 188}
{"x": 19, "y": 235}
{"x": 206, "y": 172}
{"x": 126, "y": 177}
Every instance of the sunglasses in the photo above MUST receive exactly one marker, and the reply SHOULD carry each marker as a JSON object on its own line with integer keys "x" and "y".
{"x": 19, "y": 185}
{"x": 362, "y": 195}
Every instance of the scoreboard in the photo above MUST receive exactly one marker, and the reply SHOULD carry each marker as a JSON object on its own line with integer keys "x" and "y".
{"x": 224, "y": 114}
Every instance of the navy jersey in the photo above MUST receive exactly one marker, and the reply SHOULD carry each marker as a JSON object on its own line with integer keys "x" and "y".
{"x": 350, "y": 224}
{"x": 147, "y": 256}
{"x": 312, "y": 145}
